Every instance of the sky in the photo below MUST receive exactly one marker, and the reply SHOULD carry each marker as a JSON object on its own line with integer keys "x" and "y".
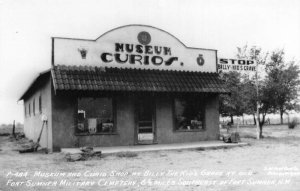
{"x": 26, "y": 28}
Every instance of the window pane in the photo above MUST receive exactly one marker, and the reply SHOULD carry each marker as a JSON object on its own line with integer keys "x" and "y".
{"x": 33, "y": 107}
{"x": 40, "y": 104}
{"x": 95, "y": 115}
{"x": 189, "y": 113}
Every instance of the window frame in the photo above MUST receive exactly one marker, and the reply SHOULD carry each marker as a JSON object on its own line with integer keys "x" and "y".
{"x": 33, "y": 106}
{"x": 25, "y": 110}
{"x": 40, "y": 104}
{"x": 29, "y": 110}
{"x": 114, "y": 113}
{"x": 175, "y": 124}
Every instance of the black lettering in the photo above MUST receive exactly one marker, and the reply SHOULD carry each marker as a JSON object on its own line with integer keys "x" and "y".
{"x": 170, "y": 61}
{"x": 139, "y": 48}
{"x": 148, "y": 50}
{"x": 155, "y": 60}
{"x": 134, "y": 58}
{"x": 118, "y": 58}
{"x": 242, "y": 62}
{"x": 223, "y": 61}
{"x": 157, "y": 49}
{"x": 129, "y": 48}
{"x": 232, "y": 61}
{"x": 167, "y": 50}
{"x": 250, "y": 62}
{"x": 119, "y": 47}
{"x": 104, "y": 57}
{"x": 146, "y": 60}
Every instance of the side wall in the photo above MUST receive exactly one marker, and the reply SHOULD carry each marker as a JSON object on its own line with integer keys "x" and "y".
{"x": 33, "y": 122}
{"x": 65, "y": 109}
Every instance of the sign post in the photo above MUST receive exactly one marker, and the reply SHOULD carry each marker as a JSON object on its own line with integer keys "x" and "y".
{"x": 242, "y": 65}
{"x": 257, "y": 108}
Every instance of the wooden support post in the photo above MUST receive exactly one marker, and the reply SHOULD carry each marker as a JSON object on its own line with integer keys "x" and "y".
{"x": 14, "y": 129}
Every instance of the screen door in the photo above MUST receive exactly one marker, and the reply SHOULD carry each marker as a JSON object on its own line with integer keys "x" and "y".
{"x": 145, "y": 120}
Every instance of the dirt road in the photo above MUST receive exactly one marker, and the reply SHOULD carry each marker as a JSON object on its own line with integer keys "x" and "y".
{"x": 269, "y": 164}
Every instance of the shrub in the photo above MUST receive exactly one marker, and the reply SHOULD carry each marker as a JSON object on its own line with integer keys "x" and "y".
{"x": 127, "y": 154}
{"x": 292, "y": 124}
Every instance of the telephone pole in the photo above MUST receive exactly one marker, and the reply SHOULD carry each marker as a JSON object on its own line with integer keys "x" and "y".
{"x": 257, "y": 102}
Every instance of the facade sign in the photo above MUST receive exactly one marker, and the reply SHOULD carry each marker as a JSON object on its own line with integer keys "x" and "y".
{"x": 134, "y": 46}
{"x": 238, "y": 65}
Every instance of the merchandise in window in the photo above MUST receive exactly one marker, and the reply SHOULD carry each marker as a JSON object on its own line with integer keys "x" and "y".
{"x": 189, "y": 113}
{"x": 95, "y": 115}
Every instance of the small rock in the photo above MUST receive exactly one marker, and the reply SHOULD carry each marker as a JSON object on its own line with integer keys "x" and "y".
{"x": 97, "y": 154}
{"x": 20, "y": 135}
{"x": 73, "y": 157}
{"x": 86, "y": 149}
{"x": 227, "y": 138}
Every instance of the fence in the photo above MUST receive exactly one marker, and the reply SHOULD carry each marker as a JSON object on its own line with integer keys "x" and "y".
{"x": 271, "y": 119}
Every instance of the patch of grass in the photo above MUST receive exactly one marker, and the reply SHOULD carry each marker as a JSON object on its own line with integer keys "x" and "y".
{"x": 200, "y": 149}
{"x": 271, "y": 138}
{"x": 163, "y": 155}
{"x": 4, "y": 134}
{"x": 248, "y": 136}
{"x": 8, "y": 129}
{"x": 89, "y": 164}
{"x": 127, "y": 154}
{"x": 293, "y": 124}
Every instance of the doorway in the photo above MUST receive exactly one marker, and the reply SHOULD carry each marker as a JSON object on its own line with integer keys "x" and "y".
{"x": 145, "y": 123}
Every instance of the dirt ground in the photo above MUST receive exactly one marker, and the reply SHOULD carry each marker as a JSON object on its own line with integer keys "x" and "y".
{"x": 269, "y": 164}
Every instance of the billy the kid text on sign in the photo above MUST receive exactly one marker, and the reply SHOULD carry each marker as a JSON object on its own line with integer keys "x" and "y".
{"x": 225, "y": 64}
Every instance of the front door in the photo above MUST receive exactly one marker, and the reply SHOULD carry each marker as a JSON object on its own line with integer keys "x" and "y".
{"x": 145, "y": 120}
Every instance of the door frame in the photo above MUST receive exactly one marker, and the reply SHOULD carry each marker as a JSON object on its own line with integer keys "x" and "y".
{"x": 136, "y": 120}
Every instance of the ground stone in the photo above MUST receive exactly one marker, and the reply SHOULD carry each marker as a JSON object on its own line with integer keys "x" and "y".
{"x": 73, "y": 157}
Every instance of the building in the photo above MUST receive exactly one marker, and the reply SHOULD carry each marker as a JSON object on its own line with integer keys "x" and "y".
{"x": 135, "y": 84}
